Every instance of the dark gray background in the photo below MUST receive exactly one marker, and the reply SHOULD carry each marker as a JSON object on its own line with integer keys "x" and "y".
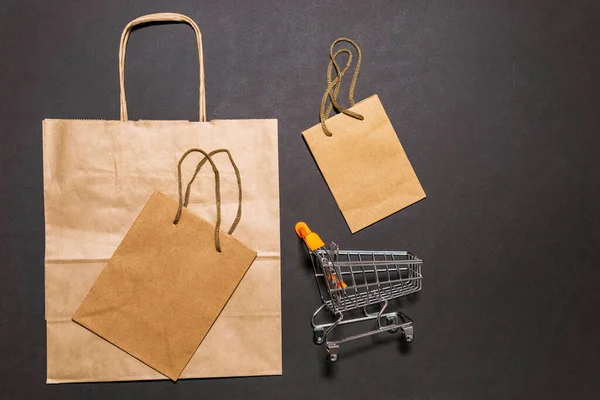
{"x": 497, "y": 106}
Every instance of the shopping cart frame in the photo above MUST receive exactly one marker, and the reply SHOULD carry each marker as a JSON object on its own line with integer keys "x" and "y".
{"x": 374, "y": 278}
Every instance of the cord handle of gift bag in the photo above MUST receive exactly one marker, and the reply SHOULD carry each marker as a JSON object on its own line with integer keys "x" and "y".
{"x": 160, "y": 17}
{"x": 183, "y": 201}
{"x": 334, "y": 85}
{"x": 188, "y": 190}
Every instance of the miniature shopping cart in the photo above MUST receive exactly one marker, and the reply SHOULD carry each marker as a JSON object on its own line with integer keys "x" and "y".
{"x": 355, "y": 280}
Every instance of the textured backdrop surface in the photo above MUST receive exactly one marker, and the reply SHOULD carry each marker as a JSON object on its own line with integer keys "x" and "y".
{"x": 497, "y": 106}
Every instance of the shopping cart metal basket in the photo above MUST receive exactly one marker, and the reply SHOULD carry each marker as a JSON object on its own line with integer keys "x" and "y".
{"x": 355, "y": 280}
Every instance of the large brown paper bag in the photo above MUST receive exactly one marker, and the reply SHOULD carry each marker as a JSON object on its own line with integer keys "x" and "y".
{"x": 97, "y": 177}
{"x": 359, "y": 154}
{"x": 167, "y": 282}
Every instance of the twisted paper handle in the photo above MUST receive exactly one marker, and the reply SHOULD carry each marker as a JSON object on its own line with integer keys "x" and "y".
{"x": 161, "y": 17}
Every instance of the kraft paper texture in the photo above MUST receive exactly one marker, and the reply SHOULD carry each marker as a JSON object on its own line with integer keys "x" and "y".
{"x": 164, "y": 286}
{"x": 364, "y": 165}
{"x": 97, "y": 177}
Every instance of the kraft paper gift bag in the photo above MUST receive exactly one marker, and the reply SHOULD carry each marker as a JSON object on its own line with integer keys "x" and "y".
{"x": 359, "y": 154}
{"x": 98, "y": 175}
{"x": 167, "y": 282}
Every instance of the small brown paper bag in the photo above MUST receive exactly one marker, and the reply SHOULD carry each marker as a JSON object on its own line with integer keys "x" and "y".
{"x": 359, "y": 154}
{"x": 168, "y": 280}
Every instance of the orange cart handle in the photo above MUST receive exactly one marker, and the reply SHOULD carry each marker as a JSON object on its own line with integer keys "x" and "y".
{"x": 312, "y": 240}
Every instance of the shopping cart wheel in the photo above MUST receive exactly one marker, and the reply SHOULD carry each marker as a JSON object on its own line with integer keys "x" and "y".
{"x": 392, "y": 321}
{"x": 319, "y": 337}
{"x": 332, "y": 352}
{"x": 408, "y": 334}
